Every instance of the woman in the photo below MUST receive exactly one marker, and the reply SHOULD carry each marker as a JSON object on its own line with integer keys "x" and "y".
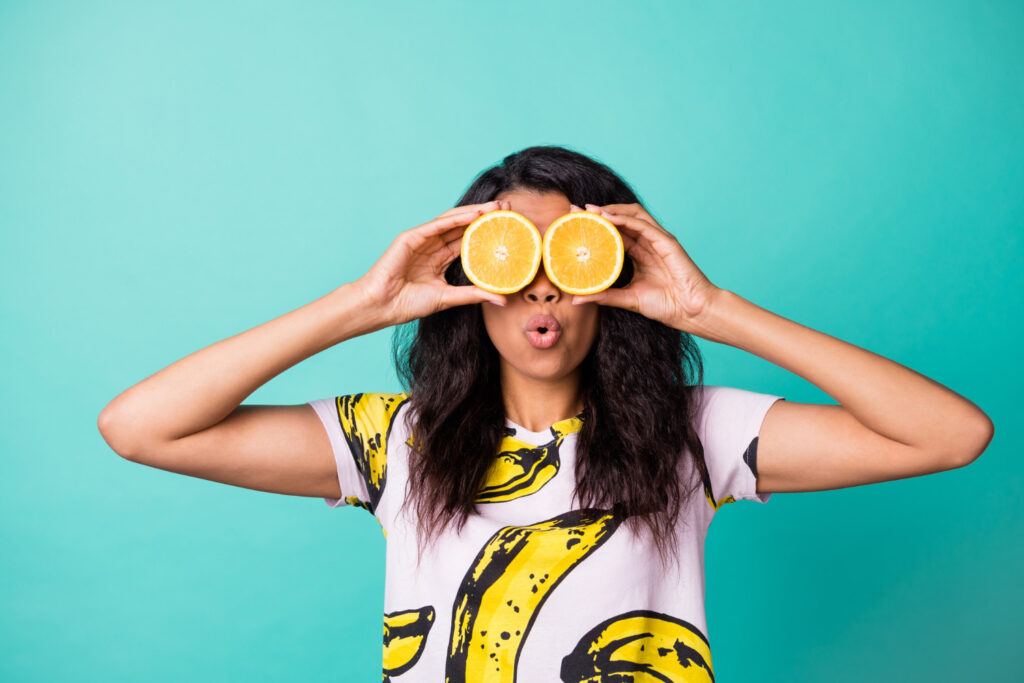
{"x": 575, "y": 550}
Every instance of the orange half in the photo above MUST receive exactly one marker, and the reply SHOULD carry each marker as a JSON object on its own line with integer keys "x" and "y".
{"x": 582, "y": 253}
{"x": 501, "y": 251}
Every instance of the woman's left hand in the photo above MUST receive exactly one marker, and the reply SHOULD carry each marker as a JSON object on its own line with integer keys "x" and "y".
{"x": 667, "y": 286}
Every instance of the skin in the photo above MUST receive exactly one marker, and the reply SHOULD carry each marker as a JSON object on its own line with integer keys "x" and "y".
{"x": 889, "y": 422}
{"x": 540, "y": 386}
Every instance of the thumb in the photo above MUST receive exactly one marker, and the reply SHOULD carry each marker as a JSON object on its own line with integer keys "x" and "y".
{"x": 470, "y": 294}
{"x": 610, "y": 297}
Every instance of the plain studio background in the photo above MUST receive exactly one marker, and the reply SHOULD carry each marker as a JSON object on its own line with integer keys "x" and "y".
{"x": 173, "y": 174}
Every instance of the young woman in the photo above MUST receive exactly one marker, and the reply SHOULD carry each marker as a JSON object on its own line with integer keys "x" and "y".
{"x": 547, "y": 478}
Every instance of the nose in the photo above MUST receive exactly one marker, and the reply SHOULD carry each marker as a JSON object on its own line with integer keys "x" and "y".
{"x": 541, "y": 289}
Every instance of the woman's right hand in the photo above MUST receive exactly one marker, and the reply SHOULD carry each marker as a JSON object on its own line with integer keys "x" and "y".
{"x": 407, "y": 281}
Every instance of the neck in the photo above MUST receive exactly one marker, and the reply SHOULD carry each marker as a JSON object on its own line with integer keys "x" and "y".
{"x": 537, "y": 403}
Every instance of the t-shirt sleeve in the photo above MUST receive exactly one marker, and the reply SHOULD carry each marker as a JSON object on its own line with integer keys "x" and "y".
{"x": 358, "y": 426}
{"x": 728, "y": 426}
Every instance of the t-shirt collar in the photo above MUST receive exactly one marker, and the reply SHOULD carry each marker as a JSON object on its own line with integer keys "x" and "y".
{"x": 569, "y": 425}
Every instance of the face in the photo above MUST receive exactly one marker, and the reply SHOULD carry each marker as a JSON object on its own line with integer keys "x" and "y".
{"x": 508, "y": 325}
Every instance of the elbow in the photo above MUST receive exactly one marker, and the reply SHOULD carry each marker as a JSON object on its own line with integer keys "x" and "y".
{"x": 113, "y": 434}
{"x": 979, "y": 439}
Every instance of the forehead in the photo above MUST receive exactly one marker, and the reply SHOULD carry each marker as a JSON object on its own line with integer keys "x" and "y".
{"x": 540, "y": 207}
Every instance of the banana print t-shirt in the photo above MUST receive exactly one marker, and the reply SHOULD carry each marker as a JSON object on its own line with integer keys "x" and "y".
{"x": 533, "y": 589}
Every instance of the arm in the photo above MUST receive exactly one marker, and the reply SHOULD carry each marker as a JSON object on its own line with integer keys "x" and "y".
{"x": 891, "y": 422}
{"x": 187, "y": 417}
{"x": 204, "y": 387}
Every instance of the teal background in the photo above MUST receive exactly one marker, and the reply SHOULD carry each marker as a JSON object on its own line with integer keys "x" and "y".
{"x": 172, "y": 174}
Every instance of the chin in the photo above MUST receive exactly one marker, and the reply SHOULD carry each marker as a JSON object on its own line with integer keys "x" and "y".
{"x": 544, "y": 364}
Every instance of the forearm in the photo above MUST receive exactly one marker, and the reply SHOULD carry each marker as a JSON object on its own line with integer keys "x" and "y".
{"x": 883, "y": 395}
{"x": 204, "y": 387}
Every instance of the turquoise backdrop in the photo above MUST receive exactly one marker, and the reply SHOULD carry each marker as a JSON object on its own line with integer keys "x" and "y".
{"x": 174, "y": 173}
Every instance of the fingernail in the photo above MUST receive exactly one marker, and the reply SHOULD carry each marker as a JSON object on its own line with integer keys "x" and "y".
{"x": 591, "y": 206}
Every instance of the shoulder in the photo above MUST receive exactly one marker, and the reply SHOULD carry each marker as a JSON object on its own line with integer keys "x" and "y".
{"x": 717, "y": 404}
{"x": 369, "y": 413}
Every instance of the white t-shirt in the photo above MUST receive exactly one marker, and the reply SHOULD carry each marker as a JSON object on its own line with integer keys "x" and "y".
{"x": 532, "y": 589}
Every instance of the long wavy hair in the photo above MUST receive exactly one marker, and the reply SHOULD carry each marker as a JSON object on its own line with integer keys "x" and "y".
{"x": 635, "y": 382}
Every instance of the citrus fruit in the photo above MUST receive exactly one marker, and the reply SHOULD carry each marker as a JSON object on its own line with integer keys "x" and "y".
{"x": 582, "y": 253}
{"x": 501, "y": 251}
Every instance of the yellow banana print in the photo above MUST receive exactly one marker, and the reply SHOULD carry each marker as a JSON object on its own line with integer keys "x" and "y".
{"x": 354, "y": 500}
{"x": 521, "y": 468}
{"x": 405, "y": 634}
{"x": 506, "y": 585}
{"x": 711, "y": 499}
{"x": 366, "y": 421}
{"x": 709, "y": 495}
{"x": 749, "y": 457}
{"x": 640, "y": 646}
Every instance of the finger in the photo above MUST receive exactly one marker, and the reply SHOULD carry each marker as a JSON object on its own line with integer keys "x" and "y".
{"x": 607, "y": 214}
{"x": 451, "y": 250}
{"x": 621, "y": 297}
{"x": 470, "y": 294}
{"x": 634, "y": 248}
{"x": 643, "y": 232}
{"x": 573, "y": 207}
{"x": 493, "y": 205}
{"x": 450, "y": 247}
{"x": 641, "y": 255}
{"x": 629, "y": 210}
{"x": 456, "y": 232}
{"x": 486, "y": 206}
{"x": 658, "y": 241}
{"x": 453, "y": 235}
{"x": 635, "y": 210}
{"x": 452, "y": 240}
{"x": 443, "y": 257}
{"x": 443, "y": 223}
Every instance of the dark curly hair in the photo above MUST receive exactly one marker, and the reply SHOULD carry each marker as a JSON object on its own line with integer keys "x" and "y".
{"x": 638, "y": 402}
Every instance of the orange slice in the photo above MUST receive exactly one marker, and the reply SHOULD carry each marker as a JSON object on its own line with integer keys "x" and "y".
{"x": 501, "y": 251}
{"x": 583, "y": 253}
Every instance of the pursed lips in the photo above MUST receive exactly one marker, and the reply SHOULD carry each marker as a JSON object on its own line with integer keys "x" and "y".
{"x": 542, "y": 331}
{"x": 546, "y": 323}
